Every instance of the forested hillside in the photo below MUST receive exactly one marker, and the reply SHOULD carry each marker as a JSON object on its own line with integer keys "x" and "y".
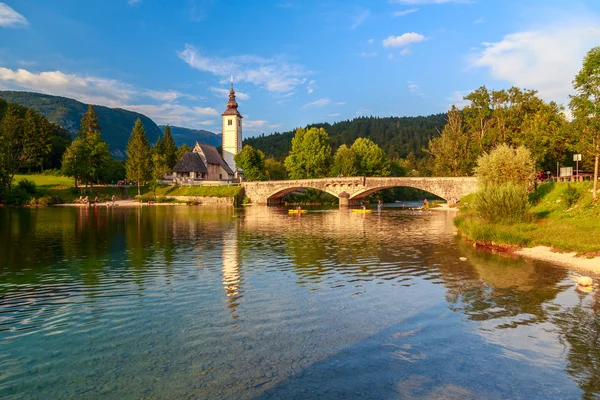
{"x": 191, "y": 136}
{"x": 116, "y": 123}
{"x": 397, "y": 136}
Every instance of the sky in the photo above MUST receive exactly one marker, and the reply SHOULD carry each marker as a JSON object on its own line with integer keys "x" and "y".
{"x": 293, "y": 62}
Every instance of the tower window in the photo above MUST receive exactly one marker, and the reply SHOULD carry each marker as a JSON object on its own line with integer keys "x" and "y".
{"x": 240, "y": 122}
{"x": 229, "y": 122}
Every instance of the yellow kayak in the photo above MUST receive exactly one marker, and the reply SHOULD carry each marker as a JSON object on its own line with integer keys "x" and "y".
{"x": 360, "y": 210}
{"x": 297, "y": 211}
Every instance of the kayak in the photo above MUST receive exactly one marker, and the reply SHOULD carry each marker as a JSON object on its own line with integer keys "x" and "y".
{"x": 297, "y": 211}
{"x": 360, "y": 210}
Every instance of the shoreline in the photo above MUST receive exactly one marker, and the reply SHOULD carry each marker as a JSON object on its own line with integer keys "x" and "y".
{"x": 119, "y": 203}
{"x": 569, "y": 260}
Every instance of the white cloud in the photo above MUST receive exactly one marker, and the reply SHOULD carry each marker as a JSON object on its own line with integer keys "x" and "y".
{"x": 318, "y": 103}
{"x": 457, "y": 99}
{"x": 406, "y": 51}
{"x": 340, "y": 103}
{"x": 370, "y": 41}
{"x": 414, "y": 88}
{"x": 273, "y": 74}
{"x": 259, "y": 125}
{"x": 479, "y": 21}
{"x": 9, "y": 18}
{"x": 545, "y": 60}
{"x": 405, "y": 12}
{"x": 334, "y": 115}
{"x": 367, "y": 55}
{"x": 111, "y": 93}
{"x": 403, "y": 40}
{"x": 312, "y": 85}
{"x": 224, "y": 93}
{"x": 360, "y": 18}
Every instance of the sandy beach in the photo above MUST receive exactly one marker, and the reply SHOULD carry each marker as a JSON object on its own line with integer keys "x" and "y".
{"x": 591, "y": 265}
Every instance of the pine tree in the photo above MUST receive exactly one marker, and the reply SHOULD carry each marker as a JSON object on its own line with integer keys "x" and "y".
{"x": 138, "y": 164}
{"x": 89, "y": 123}
{"x": 170, "y": 148}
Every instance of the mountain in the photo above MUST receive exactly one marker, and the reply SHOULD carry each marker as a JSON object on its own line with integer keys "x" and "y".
{"x": 397, "y": 136}
{"x": 191, "y": 136}
{"x": 116, "y": 123}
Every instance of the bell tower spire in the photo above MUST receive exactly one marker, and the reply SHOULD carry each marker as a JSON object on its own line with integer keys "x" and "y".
{"x": 232, "y": 130}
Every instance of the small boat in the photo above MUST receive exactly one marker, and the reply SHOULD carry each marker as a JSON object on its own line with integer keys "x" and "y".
{"x": 297, "y": 211}
{"x": 360, "y": 210}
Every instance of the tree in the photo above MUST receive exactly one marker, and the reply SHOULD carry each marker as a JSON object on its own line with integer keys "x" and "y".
{"x": 170, "y": 149}
{"x": 138, "y": 162}
{"x": 345, "y": 162}
{"x": 585, "y": 106}
{"x": 159, "y": 146}
{"x": 275, "y": 170}
{"x": 371, "y": 160}
{"x": 89, "y": 123}
{"x": 16, "y": 148}
{"x": 86, "y": 158}
{"x": 181, "y": 150}
{"x": 310, "y": 156}
{"x": 159, "y": 170}
{"x": 252, "y": 161}
{"x": 451, "y": 150}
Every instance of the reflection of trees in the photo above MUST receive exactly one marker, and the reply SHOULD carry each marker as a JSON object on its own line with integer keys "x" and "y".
{"x": 579, "y": 326}
{"x": 499, "y": 287}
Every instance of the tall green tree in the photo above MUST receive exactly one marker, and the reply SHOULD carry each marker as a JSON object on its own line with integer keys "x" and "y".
{"x": 16, "y": 148}
{"x": 170, "y": 148}
{"x": 87, "y": 158}
{"x": 310, "y": 156}
{"x": 138, "y": 163}
{"x": 451, "y": 149}
{"x": 275, "y": 170}
{"x": 345, "y": 162}
{"x": 159, "y": 169}
{"x": 90, "y": 123}
{"x": 371, "y": 159}
{"x": 585, "y": 106}
{"x": 252, "y": 161}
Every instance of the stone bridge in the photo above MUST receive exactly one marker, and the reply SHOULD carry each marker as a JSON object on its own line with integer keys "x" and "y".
{"x": 352, "y": 189}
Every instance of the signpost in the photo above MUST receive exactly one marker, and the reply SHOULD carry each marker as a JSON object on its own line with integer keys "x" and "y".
{"x": 577, "y": 158}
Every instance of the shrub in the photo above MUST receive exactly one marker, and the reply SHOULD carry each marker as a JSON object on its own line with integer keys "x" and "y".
{"x": 27, "y": 186}
{"x": 505, "y": 165}
{"x": 508, "y": 203}
{"x": 570, "y": 195}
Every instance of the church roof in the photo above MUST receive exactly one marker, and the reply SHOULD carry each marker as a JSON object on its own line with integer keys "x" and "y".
{"x": 232, "y": 105}
{"x": 189, "y": 162}
{"x": 213, "y": 156}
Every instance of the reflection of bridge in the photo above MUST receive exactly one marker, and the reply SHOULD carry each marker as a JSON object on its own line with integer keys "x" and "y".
{"x": 351, "y": 190}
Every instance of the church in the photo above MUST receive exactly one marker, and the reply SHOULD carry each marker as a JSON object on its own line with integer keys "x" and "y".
{"x": 204, "y": 163}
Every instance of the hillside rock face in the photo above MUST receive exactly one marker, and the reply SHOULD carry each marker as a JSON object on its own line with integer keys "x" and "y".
{"x": 116, "y": 123}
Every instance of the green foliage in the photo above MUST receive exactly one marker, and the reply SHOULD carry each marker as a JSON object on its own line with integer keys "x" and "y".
{"x": 90, "y": 124}
{"x": 181, "y": 150}
{"x": 28, "y": 186}
{"x": 398, "y": 137}
{"x": 505, "y": 165}
{"x": 252, "y": 162}
{"x": 67, "y": 113}
{"x": 138, "y": 163}
{"x": 371, "y": 160}
{"x": 311, "y": 154}
{"x": 200, "y": 191}
{"x": 502, "y": 203}
{"x": 585, "y": 106}
{"x": 345, "y": 162}
{"x": 87, "y": 158}
{"x": 311, "y": 197}
{"x": 170, "y": 149}
{"x": 159, "y": 169}
{"x": 274, "y": 169}
{"x": 451, "y": 151}
{"x": 570, "y": 195}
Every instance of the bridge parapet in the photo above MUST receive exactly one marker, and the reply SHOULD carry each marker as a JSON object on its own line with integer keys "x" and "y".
{"x": 350, "y": 189}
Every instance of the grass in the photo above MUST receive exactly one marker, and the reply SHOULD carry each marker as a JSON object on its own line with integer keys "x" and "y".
{"x": 61, "y": 189}
{"x": 564, "y": 218}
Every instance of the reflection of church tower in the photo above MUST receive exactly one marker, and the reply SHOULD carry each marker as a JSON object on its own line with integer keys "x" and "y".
{"x": 231, "y": 269}
{"x": 232, "y": 130}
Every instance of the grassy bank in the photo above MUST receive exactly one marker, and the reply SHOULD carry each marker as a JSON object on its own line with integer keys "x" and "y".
{"x": 50, "y": 189}
{"x": 564, "y": 218}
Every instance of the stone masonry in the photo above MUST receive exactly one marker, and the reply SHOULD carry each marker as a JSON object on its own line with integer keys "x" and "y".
{"x": 352, "y": 189}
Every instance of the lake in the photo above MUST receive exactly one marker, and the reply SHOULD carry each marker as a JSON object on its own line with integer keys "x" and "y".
{"x": 196, "y": 302}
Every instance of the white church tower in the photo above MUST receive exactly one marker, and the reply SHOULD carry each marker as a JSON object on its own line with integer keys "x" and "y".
{"x": 232, "y": 130}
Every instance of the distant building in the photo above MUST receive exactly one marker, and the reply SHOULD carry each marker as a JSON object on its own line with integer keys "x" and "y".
{"x": 204, "y": 162}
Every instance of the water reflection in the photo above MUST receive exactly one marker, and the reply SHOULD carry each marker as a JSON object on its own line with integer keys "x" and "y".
{"x": 175, "y": 302}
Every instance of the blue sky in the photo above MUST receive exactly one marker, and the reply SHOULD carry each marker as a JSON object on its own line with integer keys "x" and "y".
{"x": 294, "y": 62}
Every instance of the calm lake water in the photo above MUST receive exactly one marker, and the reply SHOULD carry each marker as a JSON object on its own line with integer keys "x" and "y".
{"x": 194, "y": 302}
